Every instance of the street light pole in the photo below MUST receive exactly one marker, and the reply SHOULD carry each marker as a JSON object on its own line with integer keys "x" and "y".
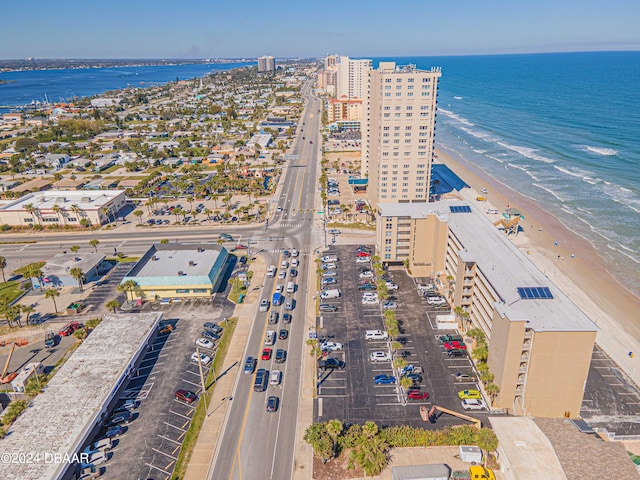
{"x": 204, "y": 388}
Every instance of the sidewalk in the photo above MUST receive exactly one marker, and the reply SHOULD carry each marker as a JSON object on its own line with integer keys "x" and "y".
{"x": 219, "y": 403}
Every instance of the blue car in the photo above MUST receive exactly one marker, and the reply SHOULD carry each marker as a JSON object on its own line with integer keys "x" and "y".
{"x": 384, "y": 379}
{"x": 249, "y": 365}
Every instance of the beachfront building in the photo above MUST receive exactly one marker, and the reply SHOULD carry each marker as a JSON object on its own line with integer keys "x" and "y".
{"x": 540, "y": 342}
{"x": 64, "y": 207}
{"x": 352, "y": 76}
{"x": 175, "y": 271}
{"x": 266, "y": 64}
{"x": 341, "y": 109}
{"x": 399, "y": 110}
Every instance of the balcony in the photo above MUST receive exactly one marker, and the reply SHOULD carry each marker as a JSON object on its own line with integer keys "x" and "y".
{"x": 526, "y": 346}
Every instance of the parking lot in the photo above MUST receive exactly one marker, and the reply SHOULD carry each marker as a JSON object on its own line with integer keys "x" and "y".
{"x": 351, "y": 394}
{"x": 150, "y": 445}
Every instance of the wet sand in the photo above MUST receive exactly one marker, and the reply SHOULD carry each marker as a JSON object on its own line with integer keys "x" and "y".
{"x": 583, "y": 278}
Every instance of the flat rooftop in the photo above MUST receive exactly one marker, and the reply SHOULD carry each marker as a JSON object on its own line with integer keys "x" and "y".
{"x": 177, "y": 264}
{"x": 529, "y": 453}
{"x": 62, "y": 263}
{"x": 504, "y": 267}
{"x": 85, "y": 199}
{"x": 58, "y": 419}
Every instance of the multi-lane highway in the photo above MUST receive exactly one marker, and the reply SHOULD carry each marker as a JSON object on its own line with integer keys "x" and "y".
{"x": 256, "y": 444}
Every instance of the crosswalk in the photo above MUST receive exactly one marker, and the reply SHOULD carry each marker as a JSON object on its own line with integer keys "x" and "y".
{"x": 303, "y": 251}
{"x": 290, "y": 225}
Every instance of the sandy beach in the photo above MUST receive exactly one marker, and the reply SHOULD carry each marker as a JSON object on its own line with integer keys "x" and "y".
{"x": 566, "y": 259}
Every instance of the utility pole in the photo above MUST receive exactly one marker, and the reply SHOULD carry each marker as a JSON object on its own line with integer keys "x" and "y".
{"x": 204, "y": 388}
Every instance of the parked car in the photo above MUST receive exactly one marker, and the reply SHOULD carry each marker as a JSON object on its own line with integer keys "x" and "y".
{"x": 415, "y": 377}
{"x": 210, "y": 335}
{"x": 330, "y": 363}
{"x": 329, "y": 259}
{"x": 380, "y": 357}
{"x": 455, "y": 345}
{"x": 329, "y": 266}
{"x": 69, "y": 329}
{"x": 103, "y": 445}
{"x": 272, "y": 404}
{"x": 417, "y": 395}
{"x": 325, "y": 307}
{"x": 329, "y": 281}
{"x": 204, "y": 359}
{"x": 185, "y": 396}
{"x": 331, "y": 346}
{"x": 392, "y": 286}
{"x": 384, "y": 379}
{"x": 366, "y": 274}
{"x": 330, "y": 273}
{"x": 389, "y": 305}
{"x": 464, "y": 377}
{"x": 115, "y": 431}
{"x": 363, "y": 259}
{"x": 362, "y": 253}
{"x": 376, "y": 335}
{"x": 127, "y": 406}
{"x": 462, "y": 394}
{"x": 119, "y": 419}
{"x": 367, "y": 286}
{"x": 456, "y": 352}
{"x": 450, "y": 338}
{"x": 90, "y": 472}
{"x": 370, "y": 301}
{"x": 282, "y": 274}
{"x": 213, "y": 327}
{"x": 473, "y": 404}
{"x": 204, "y": 343}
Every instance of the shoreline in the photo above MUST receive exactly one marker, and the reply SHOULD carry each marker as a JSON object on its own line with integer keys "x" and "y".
{"x": 570, "y": 261}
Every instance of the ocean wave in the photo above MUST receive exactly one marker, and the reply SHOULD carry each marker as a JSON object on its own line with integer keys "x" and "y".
{"x": 615, "y": 248}
{"x": 623, "y": 196}
{"x": 607, "y": 152}
{"x": 527, "y": 152}
{"x": 550, "y": 191}
{"x": 499, "y": 160}
{"x": 525, "y": 170}
{"x": 476, "y": 133}
{"x": 454, "y": 116}
{"x": 479, "y": 151}
{"x": 584, "y": 175}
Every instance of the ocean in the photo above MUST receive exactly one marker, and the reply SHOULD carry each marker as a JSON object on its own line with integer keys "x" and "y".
{"x": 562, "y": 129}
{"x": 62, "y": 85}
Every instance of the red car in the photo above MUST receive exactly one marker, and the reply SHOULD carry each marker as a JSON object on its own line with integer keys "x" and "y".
{"x": 417, "y": 395}
{"x": 69, "y": 329}
{"x": 364, "y": 254}
{"x": 240, "y": 247}
{"x": 455, "y": 345}
{"x": 185, "y": 396}
{"x": 266, "y": 354}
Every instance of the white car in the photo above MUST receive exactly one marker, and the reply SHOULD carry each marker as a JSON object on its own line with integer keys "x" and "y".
{"x": 392, "y": 286}
{"x": 203, "y": 358}
{"x": 294, "y": 252}
{"x": 264, "y": 305}
{"x": 366, "y": 274}
{"x": 329, "y": 258}
{"x": 282, "y": 274}
{"x": 363, "y": 259}
{"x": 380, "y": 357}
{"x": 436, "y": 301}
{"x": 370, "y": 295}
{"x": 270, "y": 339}
{"x": 284, "y": 265}
{"x": 375, "y": 335}
{"x": 370, "y": 301}
{"x": 279, "y": 288}
{"x": 331, "y": 346}
{"x": 329, "y": 266}
{"x": 473, "y": 404}
{"x": 330, "y": 273}
{"x": 204, "y": 343}
{"x": 389, "y": 305}
{"x": 275, "y": 377}
{"x": 271, "y": 271}
{"x": 295, "y": 263}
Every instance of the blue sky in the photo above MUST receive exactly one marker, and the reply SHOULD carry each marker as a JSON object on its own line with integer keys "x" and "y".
{"x": 287, "y": 28}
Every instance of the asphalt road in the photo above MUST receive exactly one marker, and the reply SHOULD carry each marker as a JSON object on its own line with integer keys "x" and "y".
{"x": 256, "y": 444}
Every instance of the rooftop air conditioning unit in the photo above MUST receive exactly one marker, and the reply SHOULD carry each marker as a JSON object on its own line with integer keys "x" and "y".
{"x": 180, "y": 273}
{"x": 191, "y": 264}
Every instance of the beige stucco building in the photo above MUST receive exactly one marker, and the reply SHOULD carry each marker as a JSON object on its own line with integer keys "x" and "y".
{"x": 64, "y": 207}
{"x": 540, "y": 342}
{"x": 344, "y": 109}
{"x": 352, "y": 77}
{"x": 399, "y": 110}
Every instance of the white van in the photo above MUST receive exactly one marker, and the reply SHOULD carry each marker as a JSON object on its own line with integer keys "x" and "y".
{"x": 492, "y": 211}
{"x": 295, "y": 263}
{"x": 291, "y": 287}
{"x": 331, "y": 293}
{"x": 271, "y": 271}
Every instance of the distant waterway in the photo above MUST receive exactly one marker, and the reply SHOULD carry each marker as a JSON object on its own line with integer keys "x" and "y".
{"x": 24, "y": 87}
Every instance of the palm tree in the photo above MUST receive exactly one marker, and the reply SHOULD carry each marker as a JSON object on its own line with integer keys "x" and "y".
{"x": 28, "y": 309}
{"x": 78, "y": 275}
{"x": 487, "y": 441}
{"x": 74, "y": 248}
{"x": 190, "y": 200}
{"x": 94, "y": 243}
{"x": 139, "y": 213}
{"x": 56, "y": 209}
{"x": 130, "y": 285}
{"x": 3, "y": 265}
{"x": 52, "y": 293}
{"x": 77, "y": 211}
{"x": 106, "y": 211}
{"x": 334, "y": 428}
{"x": 113, "y": 305}
{"x": 57, "y": 177}
{"x": 31, "y": 210}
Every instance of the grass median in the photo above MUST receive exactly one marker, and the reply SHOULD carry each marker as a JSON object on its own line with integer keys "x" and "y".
{"x": 191, "y": 437}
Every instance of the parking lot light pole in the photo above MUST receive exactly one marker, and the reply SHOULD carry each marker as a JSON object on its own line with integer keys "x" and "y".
{"x": 204, "y": 388}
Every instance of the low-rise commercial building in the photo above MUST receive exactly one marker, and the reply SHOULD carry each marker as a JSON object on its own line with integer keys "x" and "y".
{"x": 540, "y": 342}
{"x": 174, "y": 270}
{"x": 57, "y": 272}
{"x": 64, "y": 208}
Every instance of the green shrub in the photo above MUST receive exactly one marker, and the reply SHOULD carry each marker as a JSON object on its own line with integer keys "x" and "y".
{"x": 13, "y": 411}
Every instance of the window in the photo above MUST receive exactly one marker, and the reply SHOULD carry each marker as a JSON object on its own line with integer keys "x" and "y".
{"x": 410, "y": 80}
{"x": 398, "y": 107}
{"x": 387, "y": 256}
{"x": 408, "y": 127}
{"x": 387, "y": 107}
{"x": 410, "y": 87}
{"x": 182, "y": 290}
{"x": 200, "y": 290}
{"x": 424, "y": 114}
{"x": 387, "y": 249}
{"x": 425, "y": 107}
{"x": 397, "y": 115}
{"x": 398, "y": 94}
{"x": 387, "y": 234}
{"x": 420, "y": 165}
{"x": 387, "y": 87}
{"x": 28, "y": 220}
{"x": 424, "y": 94}
{"x": 385, "y": 128}
{"x": 405, "y": 184}
{"x": 426, "y": 80}
{"x": 389, "y": 226}
{"x": 424, "y": 127}
{"x": 387, "y": 241}
{"x": 385, "y": 134}
{"x": 409, "y": 107}
{"x": 396, "y": 128}
{"x": 398, "y": 87}
{"x": 387, "y": 94}
{"x": 387, "y": 115}
{"x": 398, "y": 79}
{"x": 409, "y": 94}
{"x": 409, "y": 115}
{"x": 387, "y": 80}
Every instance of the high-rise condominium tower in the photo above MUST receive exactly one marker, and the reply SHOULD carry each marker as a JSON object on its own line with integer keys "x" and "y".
{"x": 398, "y": 111}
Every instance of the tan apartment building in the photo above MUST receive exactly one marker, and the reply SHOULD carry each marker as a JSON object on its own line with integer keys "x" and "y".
{"x": 266, "y": 64}
{"x": 352, "y": 76}
{"x": 344, "y": 109}
{"x": 399, "y": 111}
{"x": 540, "y": 342}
